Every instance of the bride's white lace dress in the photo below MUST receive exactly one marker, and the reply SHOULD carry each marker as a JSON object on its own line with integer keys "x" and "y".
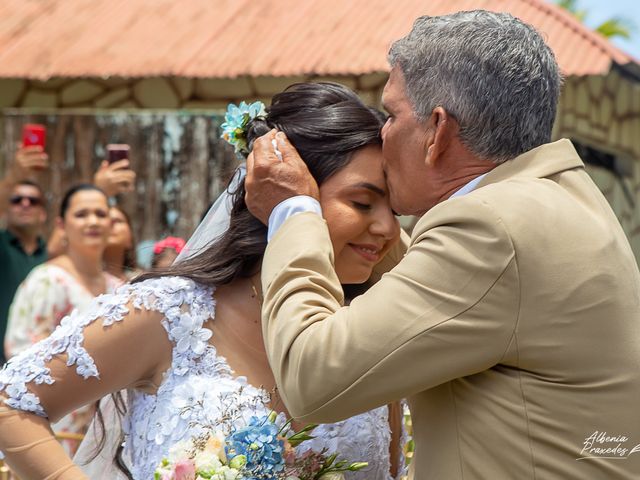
{"x": 198, "y": 389}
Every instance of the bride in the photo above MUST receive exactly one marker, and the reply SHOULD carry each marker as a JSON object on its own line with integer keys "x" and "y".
{"x": 186, "y": 342}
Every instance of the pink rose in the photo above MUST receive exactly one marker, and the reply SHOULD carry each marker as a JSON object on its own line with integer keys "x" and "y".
{"x": 185, "y": 470}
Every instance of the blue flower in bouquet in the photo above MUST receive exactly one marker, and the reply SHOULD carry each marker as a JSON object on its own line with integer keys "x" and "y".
{"x": 259, "y": 444}
{"x": 236, "y": 120}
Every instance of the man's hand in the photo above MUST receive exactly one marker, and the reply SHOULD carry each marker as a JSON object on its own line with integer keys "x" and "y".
{"x": 270, "y": 181}
{"x": 30, "y": 160}
{"x": 114, "y": 178}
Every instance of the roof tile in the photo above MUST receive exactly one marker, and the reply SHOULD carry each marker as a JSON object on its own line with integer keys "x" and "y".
{"x": 230, "y": 38}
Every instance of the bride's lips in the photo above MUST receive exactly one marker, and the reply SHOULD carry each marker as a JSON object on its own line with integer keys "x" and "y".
{"x": 367, "y": 251}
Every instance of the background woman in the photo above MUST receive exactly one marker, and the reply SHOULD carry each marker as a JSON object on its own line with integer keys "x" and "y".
{"x": 70, "y": 281}
{"x": 120, "y": 253}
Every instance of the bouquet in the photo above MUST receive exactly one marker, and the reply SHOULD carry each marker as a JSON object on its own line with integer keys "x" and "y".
{"x": 259, "y": 451}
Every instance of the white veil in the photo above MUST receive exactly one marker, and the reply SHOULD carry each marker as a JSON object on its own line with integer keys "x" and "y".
{"x": 216, "y": 221}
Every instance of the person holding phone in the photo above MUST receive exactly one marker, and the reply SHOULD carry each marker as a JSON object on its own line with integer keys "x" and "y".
{"x": 115, "y": 175}
{"x": 22, "y": 204}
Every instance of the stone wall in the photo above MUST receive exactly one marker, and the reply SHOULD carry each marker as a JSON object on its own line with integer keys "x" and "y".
{"x": 165, "y": 93}
{"x": 603, "y": 112}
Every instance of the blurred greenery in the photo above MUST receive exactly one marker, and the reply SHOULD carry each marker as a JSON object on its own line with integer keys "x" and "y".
{"x": 613, "y": 27}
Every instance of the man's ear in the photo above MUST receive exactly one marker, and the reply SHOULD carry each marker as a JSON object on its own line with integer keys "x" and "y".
{"x": 441, "y": 128}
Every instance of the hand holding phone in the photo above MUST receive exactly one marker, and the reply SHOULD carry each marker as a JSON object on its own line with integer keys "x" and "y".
{"x": 115, "y": 175}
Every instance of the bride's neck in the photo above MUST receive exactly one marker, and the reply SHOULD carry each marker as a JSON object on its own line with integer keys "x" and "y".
{"x": 238, "y": 306}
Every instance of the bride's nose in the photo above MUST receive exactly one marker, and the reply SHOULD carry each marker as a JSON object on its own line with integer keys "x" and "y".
{"x": 386, "y": 225}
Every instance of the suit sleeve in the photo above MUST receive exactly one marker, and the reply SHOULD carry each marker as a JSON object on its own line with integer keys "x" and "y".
{"x": 447, "y": 310}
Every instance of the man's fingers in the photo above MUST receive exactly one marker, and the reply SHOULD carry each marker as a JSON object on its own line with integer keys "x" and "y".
{"x": 124, "y": 176}
{"x": 250, "y": 162}
{"x": 263, "y": 149}
{"x": 120, "y": 165}
{"x": 39, "y": 161}
{"x": 289, "y": 153}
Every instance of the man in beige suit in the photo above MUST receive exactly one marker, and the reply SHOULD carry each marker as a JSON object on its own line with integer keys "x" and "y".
{"x": 512, "y": 324}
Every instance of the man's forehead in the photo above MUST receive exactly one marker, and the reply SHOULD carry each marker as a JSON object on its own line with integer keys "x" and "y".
{"x": 387, "y": 97}
{"x": 394, "y": 87}
{"x": 25, "y": 189}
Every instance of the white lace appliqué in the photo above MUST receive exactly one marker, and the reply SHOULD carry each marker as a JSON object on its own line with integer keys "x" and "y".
{"x": 31, "y": 365}
{"x": 198, "y": 389}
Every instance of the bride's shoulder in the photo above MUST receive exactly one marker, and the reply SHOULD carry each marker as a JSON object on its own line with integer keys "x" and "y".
{"x": 156, "y": 297}
{"x": 168, "y": 291}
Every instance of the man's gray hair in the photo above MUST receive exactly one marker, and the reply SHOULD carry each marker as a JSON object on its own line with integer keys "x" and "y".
{"x": 492, "y": 72}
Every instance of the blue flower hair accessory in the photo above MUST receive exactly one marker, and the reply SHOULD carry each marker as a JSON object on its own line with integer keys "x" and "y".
{"x": 236, "y": 120}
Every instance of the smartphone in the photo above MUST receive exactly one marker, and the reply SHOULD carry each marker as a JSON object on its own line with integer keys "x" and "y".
{"x": 34, "y": 134}
{"x": 116, "y": 152}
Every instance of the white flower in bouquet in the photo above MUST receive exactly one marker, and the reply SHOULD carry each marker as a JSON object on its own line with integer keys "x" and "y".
{"x": 224, "y": 473}
{"x": 212, "y": 457}
{"x": 332, "y": 476}
{"x": 179, "y": 451}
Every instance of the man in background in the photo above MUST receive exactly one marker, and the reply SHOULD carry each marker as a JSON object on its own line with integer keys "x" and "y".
{"x": 22, "y": 246}
{"x": 23, "y": 204}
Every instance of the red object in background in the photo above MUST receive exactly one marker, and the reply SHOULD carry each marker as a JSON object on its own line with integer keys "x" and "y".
{"x": 34, "y": 134}
{"x": 117, "y": 152}
{"x": 174, "y": 243}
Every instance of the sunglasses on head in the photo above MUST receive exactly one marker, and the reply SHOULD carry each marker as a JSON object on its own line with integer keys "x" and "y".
{"x": 18, "y": 199}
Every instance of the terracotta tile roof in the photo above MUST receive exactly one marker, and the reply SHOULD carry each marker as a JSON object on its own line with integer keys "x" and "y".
{"x": 230, "y": 38}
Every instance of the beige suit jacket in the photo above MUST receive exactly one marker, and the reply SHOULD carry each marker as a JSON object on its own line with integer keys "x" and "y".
{"x": 512, "y": 326}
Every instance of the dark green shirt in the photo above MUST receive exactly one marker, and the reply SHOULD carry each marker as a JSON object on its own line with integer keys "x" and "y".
{"x": 15, "y": 265}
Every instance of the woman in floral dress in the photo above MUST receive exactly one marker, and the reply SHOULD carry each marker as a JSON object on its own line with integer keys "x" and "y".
{"x": 70, "y": 281}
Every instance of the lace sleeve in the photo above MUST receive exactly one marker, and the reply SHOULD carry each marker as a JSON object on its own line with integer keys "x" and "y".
{"x": 118, "y": 342}
{"x": 113, "y": 352}
{"x": 33, "y": 366}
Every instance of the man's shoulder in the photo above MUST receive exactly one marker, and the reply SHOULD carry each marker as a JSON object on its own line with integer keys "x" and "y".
{"x": 499, "y": 207}
{"x": 468, "y": 213}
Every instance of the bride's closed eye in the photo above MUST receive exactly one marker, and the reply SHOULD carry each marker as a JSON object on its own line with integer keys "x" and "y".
{"x": 361, "y": 206}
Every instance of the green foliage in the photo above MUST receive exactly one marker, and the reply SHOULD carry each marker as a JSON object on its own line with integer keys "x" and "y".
{"x": 613, "y": 27}
{"x": 572, "y": 7}
{"x": 616, "y": 27}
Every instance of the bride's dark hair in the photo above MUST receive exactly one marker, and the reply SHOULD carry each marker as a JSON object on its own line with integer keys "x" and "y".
{"x": 326, "y": 122}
